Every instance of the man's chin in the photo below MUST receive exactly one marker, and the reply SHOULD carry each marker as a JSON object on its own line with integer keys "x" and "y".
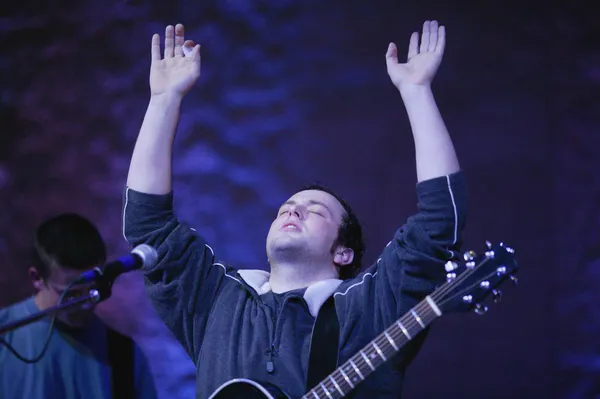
{"x": 287, "y": 239}
{"x": 285, "y": 247}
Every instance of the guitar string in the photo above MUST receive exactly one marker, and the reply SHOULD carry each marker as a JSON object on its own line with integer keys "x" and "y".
{"x": 397, "y": 334}
{"x": 361, "y": 363}
{"x": 383, "y": 340}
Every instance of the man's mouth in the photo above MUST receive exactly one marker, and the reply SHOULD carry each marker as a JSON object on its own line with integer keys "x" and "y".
{"x": 290, "y": 227}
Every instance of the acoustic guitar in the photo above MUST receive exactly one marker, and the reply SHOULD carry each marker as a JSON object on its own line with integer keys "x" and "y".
{"x": 467, "y": 285}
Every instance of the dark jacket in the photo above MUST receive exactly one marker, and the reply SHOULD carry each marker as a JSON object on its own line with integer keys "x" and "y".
{"x": 223, "y": 320}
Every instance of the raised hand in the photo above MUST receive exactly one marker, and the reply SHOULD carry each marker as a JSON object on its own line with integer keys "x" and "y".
{"x": 422, "y": 62}
{"x": 177, "y": 72}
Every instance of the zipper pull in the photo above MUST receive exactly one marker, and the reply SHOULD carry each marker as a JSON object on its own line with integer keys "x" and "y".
{"x": 270, "y": 363}
{"x": 270, "y": 366}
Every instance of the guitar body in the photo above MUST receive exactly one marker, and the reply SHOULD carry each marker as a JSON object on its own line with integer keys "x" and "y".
{"x": 242, "y": 388}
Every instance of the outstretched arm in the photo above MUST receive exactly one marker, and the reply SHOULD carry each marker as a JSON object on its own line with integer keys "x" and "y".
{"x": 412, "y": 264}
{"x": 185, "y": 282}
{"x": 171, "y": 78}
{"x": 435, "y": 153}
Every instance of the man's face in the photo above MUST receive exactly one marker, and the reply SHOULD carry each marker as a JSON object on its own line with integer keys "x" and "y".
{"x": 306, "y": 225}
{"x": 51, "y": 288}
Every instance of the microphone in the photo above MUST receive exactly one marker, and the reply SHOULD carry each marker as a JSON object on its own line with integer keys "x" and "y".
{"x": 141, "y": 256}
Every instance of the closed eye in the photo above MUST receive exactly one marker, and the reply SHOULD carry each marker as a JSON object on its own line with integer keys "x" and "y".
{"x": 318, "y": 212}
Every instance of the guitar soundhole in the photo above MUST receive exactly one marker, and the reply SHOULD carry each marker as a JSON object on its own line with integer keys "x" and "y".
{"x": 247, "y": 389}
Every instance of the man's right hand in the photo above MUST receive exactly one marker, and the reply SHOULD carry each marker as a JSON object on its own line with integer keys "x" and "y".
{"x": 176, "y": 73}
{"x": 171, "y": 78}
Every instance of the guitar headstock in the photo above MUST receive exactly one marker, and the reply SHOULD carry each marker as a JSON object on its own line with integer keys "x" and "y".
{"x": 470, "y": 282}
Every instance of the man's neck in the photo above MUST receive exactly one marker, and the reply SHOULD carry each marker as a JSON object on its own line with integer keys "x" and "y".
{"x": 40, "y": 301}
{"x": 287, "y": 277}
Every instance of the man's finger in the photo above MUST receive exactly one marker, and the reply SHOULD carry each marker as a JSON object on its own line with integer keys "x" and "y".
{"x": 441, "y": 43}
{"x": 391, "y": 56}
{"x": 169, "y": 41}
{"x": 433, "y": 36}
{"x": 188, "y": 47}
{"x": 155, "y": 48}
{"x": 179, "y": 31}
{"x": 425, "y": 37}
{"x": 413, "y": 45}
{"x": 196, "y": 54}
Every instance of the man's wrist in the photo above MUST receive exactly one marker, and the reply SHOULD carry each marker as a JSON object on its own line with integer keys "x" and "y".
{"x": 166, "y": 99}
{"x": 413, "y": 92}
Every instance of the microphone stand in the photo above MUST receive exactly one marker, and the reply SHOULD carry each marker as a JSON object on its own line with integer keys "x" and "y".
{"x": 100, "y": 292}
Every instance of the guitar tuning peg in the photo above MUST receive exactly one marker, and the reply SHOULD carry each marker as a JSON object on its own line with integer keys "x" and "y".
{"x": 514, "y": 279}
{"x": 480, "y": 309}
{"x": 496, "y": 296}
{"x": 488, "y": 244}
{"x": 450, "y": 277}
{"x": 510, "y": 250}
{"x": 469, "y": 255}
{"x": 450, "y": 266}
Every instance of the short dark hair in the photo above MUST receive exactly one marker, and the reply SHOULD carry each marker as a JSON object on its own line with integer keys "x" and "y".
{"x": 67, "y": 241}
{"x": 350, "y": 234}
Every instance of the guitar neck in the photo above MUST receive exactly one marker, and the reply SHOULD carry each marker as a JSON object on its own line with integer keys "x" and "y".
{"x": 375, "y": 353}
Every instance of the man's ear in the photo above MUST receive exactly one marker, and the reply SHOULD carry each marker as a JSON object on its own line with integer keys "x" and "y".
{"x": 35, "y": 278}
{"x": 343, "y": 256}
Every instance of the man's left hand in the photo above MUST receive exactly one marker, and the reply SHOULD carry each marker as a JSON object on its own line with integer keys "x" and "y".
{"x": 423, "y": 61}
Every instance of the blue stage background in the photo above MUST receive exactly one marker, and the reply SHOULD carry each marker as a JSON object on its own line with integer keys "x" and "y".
{"x": 294, "y": 92}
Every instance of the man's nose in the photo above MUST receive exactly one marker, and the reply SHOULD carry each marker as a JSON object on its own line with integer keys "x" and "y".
{"x": 296, "y": 211}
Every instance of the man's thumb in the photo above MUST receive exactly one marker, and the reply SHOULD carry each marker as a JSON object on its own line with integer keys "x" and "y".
{"x": 392, "y": 53}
